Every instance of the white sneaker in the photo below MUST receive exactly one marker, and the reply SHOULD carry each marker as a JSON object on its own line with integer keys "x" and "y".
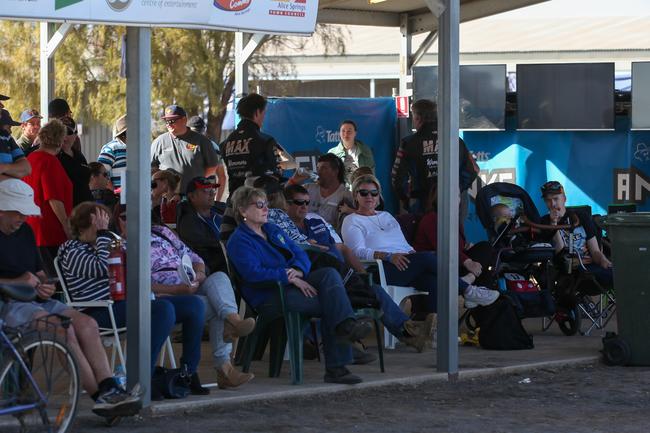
{"x": 475, "y": 296}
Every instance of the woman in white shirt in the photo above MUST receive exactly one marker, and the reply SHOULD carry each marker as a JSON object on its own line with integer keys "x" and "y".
{"x": 375, "y": 234}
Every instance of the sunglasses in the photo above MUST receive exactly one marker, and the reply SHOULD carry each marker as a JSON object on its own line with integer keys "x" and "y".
{"x": 552, "y": 186}
{"x": 70, "y": 131}
{"x": 365, "y": 192}
{"x": 170, "y": 121}
{"x": 260, "y": 204}
{"x": 300, "y": 202}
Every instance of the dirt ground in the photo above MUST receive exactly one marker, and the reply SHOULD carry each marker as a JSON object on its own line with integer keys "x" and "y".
{"x": 582, "y": 399}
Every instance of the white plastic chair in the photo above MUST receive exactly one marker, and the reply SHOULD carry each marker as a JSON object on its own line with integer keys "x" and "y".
{"x": 397, "y": 293}
{"x": 110, "y": 336}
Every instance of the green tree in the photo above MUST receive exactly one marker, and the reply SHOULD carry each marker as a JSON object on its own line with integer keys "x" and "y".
{"x": 193, "y": 68}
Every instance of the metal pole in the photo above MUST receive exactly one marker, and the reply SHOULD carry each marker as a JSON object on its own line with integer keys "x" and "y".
{"x": 448, "y": 193}
{"x": 241, "y": 65}
{"x": 372, "y": 87}
{"x": 47, "y": 67}
{"x": 138, "y": 169}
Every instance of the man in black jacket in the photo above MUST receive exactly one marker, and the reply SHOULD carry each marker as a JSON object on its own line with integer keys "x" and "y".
{"x": 247, "y": 151}
{"x": 198, "y": 223}
{"x": 417, "y": 159}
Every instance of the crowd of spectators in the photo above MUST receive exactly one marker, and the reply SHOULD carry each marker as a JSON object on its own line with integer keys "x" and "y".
{"x": 309, "y": 237}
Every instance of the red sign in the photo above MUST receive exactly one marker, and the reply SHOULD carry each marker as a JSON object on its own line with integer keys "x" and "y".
{"x": 402, "y": 105}
{"x": 232, "y": 5}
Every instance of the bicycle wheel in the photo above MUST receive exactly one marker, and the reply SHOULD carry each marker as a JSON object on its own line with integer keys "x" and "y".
{"x": 55, "y": 372}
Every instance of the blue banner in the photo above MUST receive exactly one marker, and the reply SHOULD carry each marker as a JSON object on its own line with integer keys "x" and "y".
{"x": 597, "y": 168}
{"x": 308, "y": 127}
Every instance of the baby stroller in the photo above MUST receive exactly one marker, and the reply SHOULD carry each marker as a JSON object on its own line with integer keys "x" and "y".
{"x": 523, "y": 263}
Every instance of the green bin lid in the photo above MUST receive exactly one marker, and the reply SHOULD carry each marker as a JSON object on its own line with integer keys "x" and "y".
{"x": 628, "y": 219}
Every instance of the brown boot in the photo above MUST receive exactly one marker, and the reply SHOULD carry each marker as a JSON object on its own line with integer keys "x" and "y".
{"x": 234, "y": 327}
{"x": 229, "y": 377}
{"x": 416, "y": 334}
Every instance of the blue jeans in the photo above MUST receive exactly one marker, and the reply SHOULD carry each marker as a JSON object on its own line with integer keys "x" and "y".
{"x": 602, "y": 275}
{"x": 422, "y": 274}
{"x": 163, "y": 318}
{"x": 393, "y": 317}
{"x": 331, "y": 305}
{"x": 190, "y": 313}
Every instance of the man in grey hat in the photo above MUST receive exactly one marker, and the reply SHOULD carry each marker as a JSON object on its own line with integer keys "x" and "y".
{"x": 12, "y": 159}
{"x": 196, "y": 124}
{"x": 30, "y": 123}
{"x": 182, "y": 149}
{"x": 113, "y": 153}
{"x": 20, "y": 263}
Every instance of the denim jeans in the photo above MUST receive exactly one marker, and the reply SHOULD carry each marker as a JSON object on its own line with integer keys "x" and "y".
{"x": 190, "y": 313}
{"x": 163, "y": 318}
{"x": 219, "y": 297}
{"x": 422, "y": 274}
{"x": 602, "y": 275}
{"x": 331, "y": 305}
{"x": 393, "y": 317}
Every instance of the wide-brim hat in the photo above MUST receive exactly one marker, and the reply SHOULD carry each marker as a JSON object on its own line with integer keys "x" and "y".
{"x": 5, "y": 118}
{"x": 119, "y": 127}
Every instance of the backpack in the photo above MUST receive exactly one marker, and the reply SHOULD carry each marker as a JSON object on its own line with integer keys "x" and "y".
{"x": 500, "y": 327}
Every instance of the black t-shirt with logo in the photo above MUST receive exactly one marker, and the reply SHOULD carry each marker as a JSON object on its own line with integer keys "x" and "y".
{"x": 581, "y": 234}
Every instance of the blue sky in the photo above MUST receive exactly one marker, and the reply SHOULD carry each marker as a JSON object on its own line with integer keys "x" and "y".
{"x": 583, "y": 8}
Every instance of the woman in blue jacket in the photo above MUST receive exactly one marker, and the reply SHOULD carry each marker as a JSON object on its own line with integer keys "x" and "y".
{"x": 261, "y": 251}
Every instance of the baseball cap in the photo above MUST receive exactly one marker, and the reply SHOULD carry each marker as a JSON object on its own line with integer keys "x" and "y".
{"x": 551, "y": 188}
{"x": 16, "y": 195}
{"x": 5, "y": 118}
{"x": 58, "y": 108}
{"x": 201, "y": 182}
{"x": 120, "y": 126}
{"x": 195, "y": 122}
{"x": 174, "y": 112}
{"x": 29, "y": 114}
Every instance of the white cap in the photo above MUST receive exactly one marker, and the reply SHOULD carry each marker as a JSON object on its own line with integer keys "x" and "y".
{"x": 16, "y": 195}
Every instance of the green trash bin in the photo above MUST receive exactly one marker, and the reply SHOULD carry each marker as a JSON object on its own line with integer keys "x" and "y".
{"x": 630, "y": 237}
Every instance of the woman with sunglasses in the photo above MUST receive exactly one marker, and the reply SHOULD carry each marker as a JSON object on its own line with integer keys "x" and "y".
{"x": 74, "y": 163}
{"x": 377, "y": 235}
{"x": 164, "y": 195}
{"x": 261, "y": 251}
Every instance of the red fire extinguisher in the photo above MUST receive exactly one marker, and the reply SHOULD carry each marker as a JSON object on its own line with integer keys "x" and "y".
{"x": 117, "y": 270}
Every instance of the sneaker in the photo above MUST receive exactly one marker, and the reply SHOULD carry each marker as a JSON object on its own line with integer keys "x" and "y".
{"x": 117, "y": 402}
{"x": 341, "y": 375}
{"x": 351, "y": 330}
{"x": 476, "y": 295}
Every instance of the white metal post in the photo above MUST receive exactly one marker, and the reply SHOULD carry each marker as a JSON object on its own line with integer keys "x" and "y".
{"x": 448, "y": 192}
{"x": 138, "y": 169}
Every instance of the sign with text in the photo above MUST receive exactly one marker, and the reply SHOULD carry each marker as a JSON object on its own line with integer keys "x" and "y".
{"x": 268, "y": 16}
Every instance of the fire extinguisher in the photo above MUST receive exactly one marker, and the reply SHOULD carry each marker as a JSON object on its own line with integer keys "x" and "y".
{"x": 117, "y": 269}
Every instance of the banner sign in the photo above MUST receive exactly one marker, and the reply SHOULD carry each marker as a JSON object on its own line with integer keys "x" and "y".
{"x": 268, "y": 16}
{"x": 596, "y": 168}
{"x": 309, "y": 127}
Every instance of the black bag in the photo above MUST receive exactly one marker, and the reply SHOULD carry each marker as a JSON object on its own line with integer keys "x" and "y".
{"x": 500, "y": 327}
{"x": 171, "y": 383}
{"x": 357, "y": 286}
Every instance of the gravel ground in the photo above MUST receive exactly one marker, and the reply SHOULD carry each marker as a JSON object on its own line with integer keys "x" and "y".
{"x": 582, "y": 399}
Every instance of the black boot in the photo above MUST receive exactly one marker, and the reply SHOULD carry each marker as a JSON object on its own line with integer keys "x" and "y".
{"x": 195, "y": 385}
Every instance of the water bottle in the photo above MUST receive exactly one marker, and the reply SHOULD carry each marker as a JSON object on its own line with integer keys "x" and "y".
{"x": 120, "y": 376}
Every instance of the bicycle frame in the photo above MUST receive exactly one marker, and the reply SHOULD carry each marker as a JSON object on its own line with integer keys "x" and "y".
{"x": 41, "y": 403}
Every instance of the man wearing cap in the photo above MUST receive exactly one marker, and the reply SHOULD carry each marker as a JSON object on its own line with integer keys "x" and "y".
{"x": 198, "y": 223}
{"x": 113, "y": 154}
{"x": 197, "y": 125}
{"x": 582, "y": 238}
{"x": 30, "y": 123}
{"x": 12, "y": 159}
{"x": 247, "y": 151}
{"x": 20, "y": 263}
{"x": 189, "y": 153}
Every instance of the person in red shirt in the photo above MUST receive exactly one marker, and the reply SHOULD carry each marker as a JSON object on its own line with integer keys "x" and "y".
{"x": 426, "y": 238}
{"x": 52, "y": 193}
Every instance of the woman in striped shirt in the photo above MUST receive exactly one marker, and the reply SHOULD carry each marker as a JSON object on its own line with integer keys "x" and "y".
{"x": 84, "y": 265}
